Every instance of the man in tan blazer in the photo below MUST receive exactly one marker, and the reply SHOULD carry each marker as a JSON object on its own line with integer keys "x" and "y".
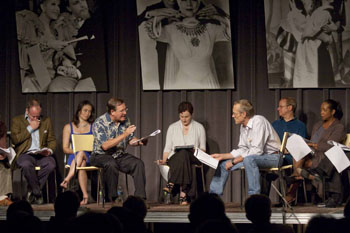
{"x": 35, "y": 143}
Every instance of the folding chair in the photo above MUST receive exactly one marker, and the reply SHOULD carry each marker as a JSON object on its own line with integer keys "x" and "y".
{"x": 280, "y": 171}
{"x": 37, "y": 168}
{"x": 347, "y": 140}
{"x": 200, "y": 166}
{"x": 84, "y": 142}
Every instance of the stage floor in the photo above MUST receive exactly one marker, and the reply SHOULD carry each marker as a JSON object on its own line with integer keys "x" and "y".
{"x": 162, "y": 213}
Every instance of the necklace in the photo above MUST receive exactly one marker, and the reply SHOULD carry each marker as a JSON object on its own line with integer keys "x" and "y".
{"x": 193, "y": 32}
{"x": 83, "y": 126}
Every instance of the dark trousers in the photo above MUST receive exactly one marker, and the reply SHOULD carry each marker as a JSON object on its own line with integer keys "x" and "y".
{"x": 333, "y": 178}
{"x": 183, "y": 172}
{"x": 126, "y": 163}
{"x": 36, "y": 179}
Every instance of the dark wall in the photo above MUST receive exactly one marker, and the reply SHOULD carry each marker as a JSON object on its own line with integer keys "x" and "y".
{"x": 150, "y": 110}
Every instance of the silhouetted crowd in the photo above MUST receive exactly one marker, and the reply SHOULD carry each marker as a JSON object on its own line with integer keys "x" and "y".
{"x": 207, "y": 215}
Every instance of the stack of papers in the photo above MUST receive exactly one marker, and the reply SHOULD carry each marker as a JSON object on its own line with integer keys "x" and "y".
{"x": 337, "y": 156}
{"x": 148, "y": 136}
{"x": 206, "y": 159}
{"x": 38, "y": 152}
{"x": 343, "y": 147}
{"x": 164, "y": 171}
{"x": 297, "y": 147}
{"x": 9, "y": 153}
{"x": 186, "y": 147}
{"x": 200, "y": 155}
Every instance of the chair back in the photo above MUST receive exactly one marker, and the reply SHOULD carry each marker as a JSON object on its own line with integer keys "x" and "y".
{"x": 282, "y": 149}
{"x": 284, "y": 142}
{"x": 82, "y": 142}
{"x": 347, "y": 140}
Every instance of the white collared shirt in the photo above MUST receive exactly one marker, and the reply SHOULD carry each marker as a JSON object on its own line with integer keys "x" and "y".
{"x": 257, "y": 138}
{"x": 175, "y": 137}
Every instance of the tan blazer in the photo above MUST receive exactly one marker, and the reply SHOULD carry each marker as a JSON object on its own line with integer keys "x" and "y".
{"x": 22, "y": 140}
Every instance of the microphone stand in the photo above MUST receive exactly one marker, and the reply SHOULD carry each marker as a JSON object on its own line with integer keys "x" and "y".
{"x": 285, "y": 204}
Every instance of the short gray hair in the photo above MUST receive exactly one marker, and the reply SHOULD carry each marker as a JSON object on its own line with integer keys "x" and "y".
{"x": 291, "y": 101}
{"x": 245, "y": 106}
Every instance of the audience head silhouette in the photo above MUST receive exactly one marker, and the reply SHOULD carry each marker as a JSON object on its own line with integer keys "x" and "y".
{"x": 18, "y": 208}
{"x": 136, "y": 205}
{"x": 258, "y": 209}
{"x": 95, "y": 222}
{"x": 206, "y": 206}
{"x": 131, "y": 222}
{"x": 216, "y": 225}
{"x": 67, "y": 205}
{"x": 322, "y": 224}
{"x": 20, "y": 218}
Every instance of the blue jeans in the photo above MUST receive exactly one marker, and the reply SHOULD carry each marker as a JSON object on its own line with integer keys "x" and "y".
{"x": 252, "y": 163}
{"x": 220, "y": 177}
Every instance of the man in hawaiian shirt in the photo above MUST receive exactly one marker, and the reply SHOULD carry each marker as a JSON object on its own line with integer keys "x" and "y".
{"x": 112, "y": 134}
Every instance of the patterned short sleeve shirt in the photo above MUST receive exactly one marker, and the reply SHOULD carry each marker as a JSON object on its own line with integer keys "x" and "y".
{"x": 104, "y": 129}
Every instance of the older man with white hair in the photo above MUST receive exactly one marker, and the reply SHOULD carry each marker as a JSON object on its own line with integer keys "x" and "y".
{"x": 257, "y": 148}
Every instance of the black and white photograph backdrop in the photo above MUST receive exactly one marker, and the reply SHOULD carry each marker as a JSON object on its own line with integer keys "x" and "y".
{"x": 61, "y": 46}
{"x": 185, "y": 44}
{"x": 308, "y": 43}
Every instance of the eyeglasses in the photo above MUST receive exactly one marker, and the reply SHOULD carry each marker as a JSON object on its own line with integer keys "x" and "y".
{"x": 34, "y": 117}
{"x": 283, "y": 106}
{"x": 124, "y": 110}
{"x": 236, "y": 113}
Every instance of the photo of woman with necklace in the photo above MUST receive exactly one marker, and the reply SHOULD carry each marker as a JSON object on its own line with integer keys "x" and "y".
{"x": 190, "y": 34}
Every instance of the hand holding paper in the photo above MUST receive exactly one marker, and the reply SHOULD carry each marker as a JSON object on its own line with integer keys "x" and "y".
{"x": 143, "y": 139}
{"x": 205, "y": 158}
{"x": 44, "y": 151}
{"x": 144, "y": 142}
{"x": 160, "y": 162}
{"x": 343, "y": 147}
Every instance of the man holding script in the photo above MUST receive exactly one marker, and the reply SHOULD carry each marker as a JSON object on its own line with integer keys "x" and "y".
{"x": 257, "y": 148}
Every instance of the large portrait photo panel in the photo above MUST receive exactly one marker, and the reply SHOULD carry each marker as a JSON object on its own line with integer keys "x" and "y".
{"x": 308, "y": 43}
{"x": 185, "y": 45}
{"x": 61, "y": 45}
